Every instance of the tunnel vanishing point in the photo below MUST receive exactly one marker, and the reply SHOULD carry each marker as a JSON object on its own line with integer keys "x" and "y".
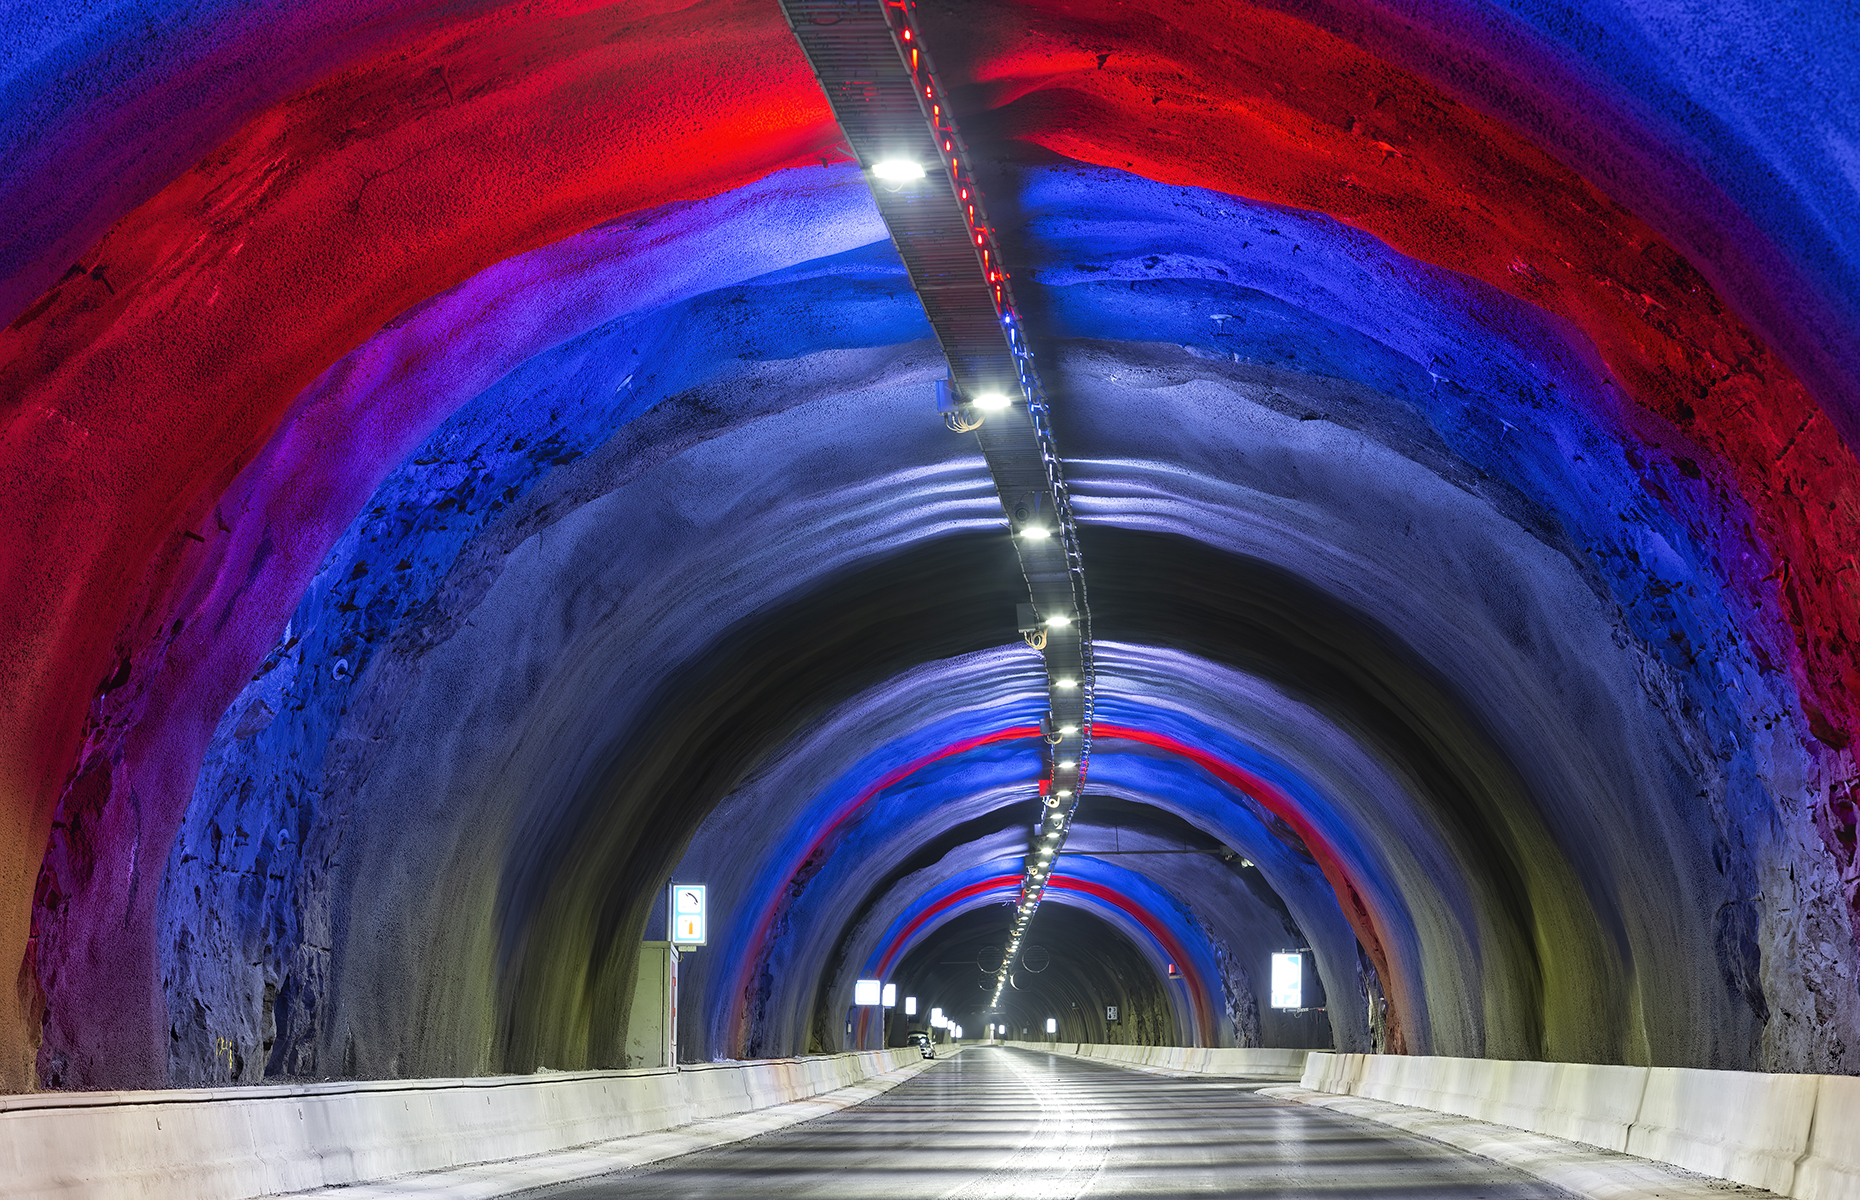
{"x": 469, "y": 464}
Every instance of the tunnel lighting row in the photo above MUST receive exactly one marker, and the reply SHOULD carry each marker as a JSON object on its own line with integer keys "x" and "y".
{"x": 1066, "y": 773}
{"x": 877, "y": 75}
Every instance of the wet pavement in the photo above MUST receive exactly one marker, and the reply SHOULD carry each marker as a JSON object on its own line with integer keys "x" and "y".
{"x": 996, "y": 1123}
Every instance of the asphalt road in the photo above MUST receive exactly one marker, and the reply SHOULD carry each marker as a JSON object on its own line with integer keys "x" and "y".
{"x": 994, "y": 1123}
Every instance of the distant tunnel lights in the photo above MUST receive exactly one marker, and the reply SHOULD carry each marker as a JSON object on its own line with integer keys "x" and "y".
{"x": 910, "y": 1006}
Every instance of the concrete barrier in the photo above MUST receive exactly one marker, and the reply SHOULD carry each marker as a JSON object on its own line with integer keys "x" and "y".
{"x": 1736, "y": 1125}
{"x": 235, "y": 1143}
{"x": 1581, "y": 1102}
{"x": 1795, "y": 1135}
{"x": 1831, "y": 1169}
{"x": 1335, "y": 1073}
{"x": 1253, "y": 1062}
{"x": 1593, "y": 1103}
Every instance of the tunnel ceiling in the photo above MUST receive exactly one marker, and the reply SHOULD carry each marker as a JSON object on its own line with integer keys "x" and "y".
{"x": 468, "y": 465}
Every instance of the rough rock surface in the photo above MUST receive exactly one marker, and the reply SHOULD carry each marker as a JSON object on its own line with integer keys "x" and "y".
{"x": 427, "y": 511}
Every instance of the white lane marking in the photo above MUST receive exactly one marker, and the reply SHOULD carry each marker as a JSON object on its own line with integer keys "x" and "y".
{"x": 1058, "y": 1161}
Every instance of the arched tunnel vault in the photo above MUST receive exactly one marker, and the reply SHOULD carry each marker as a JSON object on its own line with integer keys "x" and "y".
{"x": 1185, "y": 898}
{"x": 1092, "y": 964}
{"x": 467, "y": 467}
{"x": 1159, "y": 925}
{"x": 544, "y": 1013}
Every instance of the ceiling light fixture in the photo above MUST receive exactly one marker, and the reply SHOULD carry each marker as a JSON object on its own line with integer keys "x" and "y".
{"x": 1058, "y": 621}
{"x": 991, "y": 402}
{"x": 897, "y": 170}
{"x": 1036, "y": 532}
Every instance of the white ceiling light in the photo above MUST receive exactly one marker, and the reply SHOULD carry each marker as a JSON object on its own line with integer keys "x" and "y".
{"x": 897, "y": 170}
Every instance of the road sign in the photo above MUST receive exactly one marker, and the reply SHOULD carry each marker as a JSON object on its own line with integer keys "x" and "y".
{"x": 1288, "y": 981}
{"x": 688, "y": 914}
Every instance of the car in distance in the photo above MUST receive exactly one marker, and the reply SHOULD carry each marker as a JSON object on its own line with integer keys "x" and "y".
{"x": 921, "y": 1040}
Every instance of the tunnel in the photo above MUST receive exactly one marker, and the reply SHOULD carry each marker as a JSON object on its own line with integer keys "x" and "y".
{"x": 473, "y": 466}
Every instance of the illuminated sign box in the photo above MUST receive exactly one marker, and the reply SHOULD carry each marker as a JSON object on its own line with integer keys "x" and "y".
{"x": 1288, "y": 981}
{"x": 866, "y": 993}
{"x": 688, "y": 915}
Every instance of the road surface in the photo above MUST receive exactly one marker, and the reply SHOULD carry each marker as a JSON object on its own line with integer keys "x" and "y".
{"x": 995, "y": 1124}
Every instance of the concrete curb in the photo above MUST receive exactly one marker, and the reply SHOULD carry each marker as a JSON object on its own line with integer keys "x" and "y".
{"x": 1585, "y": 1170}
{"x": 1790, "y": 1134}
{"x": 292, "y": 1139}
{"x": 517, "y": 1176}
{"x": 1180, "y": 1060}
